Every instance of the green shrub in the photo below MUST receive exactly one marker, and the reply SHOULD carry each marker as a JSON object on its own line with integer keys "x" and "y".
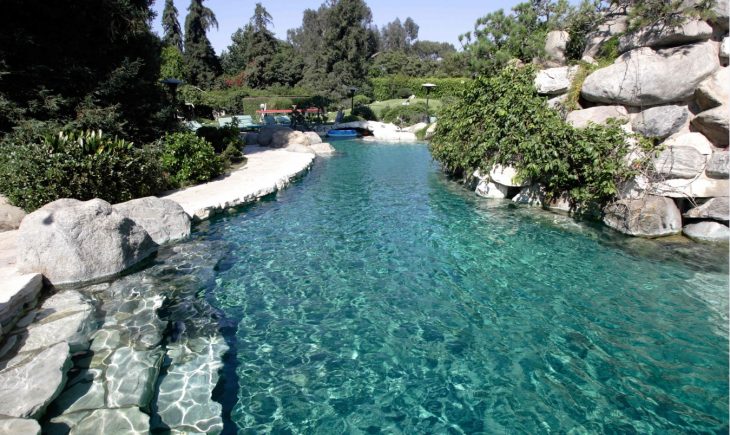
{"x": 609, "y": 49}
{"x": 351, "y": 118}
{"x": 502, "y": 120}
{"x": 232, "y": 154}
{"x": 189, "y": 159}
{"x": 386, "y": 88}
{"x": 38, "y": 165}
{"x": 365, "y": 112}
{"x": 404, "y": 115}
{"x": 404, "y": 93}
{"x": 220, "y": 137}
{"x": 362, "y": 100}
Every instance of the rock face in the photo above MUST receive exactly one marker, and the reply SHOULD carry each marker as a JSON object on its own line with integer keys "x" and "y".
{"x": 661, "y": 121}
{"x": 17, "y": 293}
{"x": 707, "y": 232}
{"x": 719, "y": 165}
{"x": 114, "y": 421}
{"x": 506, "y": 176}
{"x": 663, "y": 36}
{"x": 713, "y": 123}
{"x": 680, "y": 162}
{"x": 700, "y": 187}
{"x": 33, "y": 380}
{"x": 714, "y": 91}
{"x": 716, "y": 208}
{"x": 645, "y": 77}
{"x": 24, "y": 426}
{"x": 651, "y": 216}
{"x": 555, "y": 46}
{"x": 163, "y": 219}
{"x": 266, "y": 135}
{"x": 725, "y": 50}
{"x": 614, "y": 24}
{"x": 70, "y": 241}
{"x": 531, "y": 195}
{"x": 695, "y": 140}
{"x": 555, "y": 81}
{"x": 10, "y": 215}
{"x": 486, "y": 189}
{"x": 322, "y": 149}
{"x": 597, "y": 115}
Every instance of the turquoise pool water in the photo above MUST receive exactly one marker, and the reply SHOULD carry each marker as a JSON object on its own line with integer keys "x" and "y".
{"x": 376, "y": 296}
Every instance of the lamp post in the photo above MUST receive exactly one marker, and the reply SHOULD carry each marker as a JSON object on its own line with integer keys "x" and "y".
{"x": 428, "y": 87}
{"x": 352, "y": 90}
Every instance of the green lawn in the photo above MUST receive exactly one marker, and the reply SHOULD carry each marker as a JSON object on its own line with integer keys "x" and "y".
{"x": 378, "y": 106}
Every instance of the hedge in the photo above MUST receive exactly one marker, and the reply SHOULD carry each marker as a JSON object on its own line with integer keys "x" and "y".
{"x": 386, "y": 88}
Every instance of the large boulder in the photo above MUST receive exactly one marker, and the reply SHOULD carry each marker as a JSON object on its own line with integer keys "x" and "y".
{"x": 660, "y": 121}
{"x": 597, "y": 115}
{"x": 506, "y": 176}
{"x": 24, "y": 426}
{"x": 613, "y": 24}
{"x": 713, "y": 123}
{"x": 644, "y": 77}
{"x": 31, "y": 380}
{"x": 322, "y": 149}
{"x": 128, "y": 421}
{"x": 707, "y": 231}
{"x": 265, "y": 137}
{"x": 697, "y": 141}
{"x": 556, "y": 43}
{"x": 555, "y": 81}
{"x": 430, "y": 131}
{"x": 719, "y": 165}
{"x": 536, "y": 196}
{"x": 716, "y": 208}
{"x": 70, "y": 241}
{"x": 18, "y": 293}
{"x": 714, "y": 91}
{"x": 487, "y": 189}
{"x": 680, "y": 162}
{"x": 163, "y": 219}
{"x": 313, "y": 138}
{"x": 10, "y": 215}
{"x": 725, "y": 50}
{"x": 651, "y": 216}
{"x": 661, "y": 35}
{"x": 699, "y": 187}
{"x": 283, "y": 137}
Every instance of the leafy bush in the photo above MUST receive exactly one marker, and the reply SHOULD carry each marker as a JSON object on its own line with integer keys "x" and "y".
{"x": 404, "y": 93}
{"x": 220, "y": 137}
{"x": 189, "y": 159}
{"x": 38, "y": 165}
{"x": 502, "y": 120}
{"x": 351, "y": 118}
{"x": 365, "y": 112}
{"x": 386, "y": 88}
{"x": 362, "y": 100}
{"x": 404, "y": 115}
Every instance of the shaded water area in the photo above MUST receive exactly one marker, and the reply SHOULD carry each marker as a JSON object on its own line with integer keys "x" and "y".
{"x": 376, "y": 296}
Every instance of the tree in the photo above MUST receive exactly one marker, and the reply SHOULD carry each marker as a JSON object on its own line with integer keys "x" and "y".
{"x": 201, "y": 62}
{"x": 171, "y": 25}
{"x": 411, "y": 29}
{"x": 393, "y": 36}
{"x": 87, "y": 64}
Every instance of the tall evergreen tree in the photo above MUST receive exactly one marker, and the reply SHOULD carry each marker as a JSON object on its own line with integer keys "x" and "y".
{"x": 173, "y": 33}
{"x": 201, "y": 62}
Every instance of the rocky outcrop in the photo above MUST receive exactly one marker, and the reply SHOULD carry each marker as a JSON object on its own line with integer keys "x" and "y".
{"x": 31, "y": 380}
{"x": 680, "y": 162}
{"x": 695, "y": 140}
{"x": 707, "y": 232}
{"x": 719, "y": 165}
{"x": 597, "y": 115}
{"x": 18, "y": 293}
{"x": 714, "y": 91}
{"x": 661, "y": 121}
{"x": 163, "y": 219}
{"x": 323, "y": 149}
{"x": 536, "y": 196}
{"x": 556, "y": 44}
{"x": 70, "y": 241}
{"x": 506, "y": 176}
{"x": 24, "y": 426}
{"x": 699, "y": 187}
{"x": 713, "y": 123}
{"x": 660, "y": 35}
{"x": 114, "y": 421}
{"x": 555, "y": 81}
{"x": 716, "y": 209}
{"x": 613, "y": 25}
{"x": 645, "y": 77}
{"x": 10, "y": 215}
{"x": 487, "y": 189}
{"x": 651, "y": 216}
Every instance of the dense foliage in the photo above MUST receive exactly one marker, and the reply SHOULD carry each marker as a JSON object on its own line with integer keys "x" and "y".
{"x": 386, "y": 88}
{"x": 202, "y": 66}
{"x": 188, "y": 159}
{"x": 171, "y": 25}
{"x": 501, "y": 120}
{"x": 39, "y": 165}
{"x": 404, "y": 115}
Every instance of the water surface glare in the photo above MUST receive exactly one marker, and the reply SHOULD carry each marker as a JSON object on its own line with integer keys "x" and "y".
{"x": 376, "y": 296}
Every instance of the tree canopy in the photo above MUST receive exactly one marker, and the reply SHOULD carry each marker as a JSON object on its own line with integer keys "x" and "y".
{"x": 201, "y": 63}
{"x": 171, "y": 25}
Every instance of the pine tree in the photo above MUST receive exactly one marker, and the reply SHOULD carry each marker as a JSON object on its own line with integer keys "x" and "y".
{"x": 253, "y": 50}
{"x": 171, "y": 25}
{"x": 201, "y": 62}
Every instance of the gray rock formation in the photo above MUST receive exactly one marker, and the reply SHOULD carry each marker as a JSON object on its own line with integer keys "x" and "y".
{"x": 266, "y": 135}
{"x": 506, "y": 176}
{"x": 660, "y": 35}
{"x": 487, "y": 189}
{"x": 714, "y": 91}
{"x": 163, "y": 219}
{"x": 536, "y": 196}
{"x": 10, "y": 215}
{"x": 597, "y": 115}
{"x": 555, "y": 81}
{"x": 651, "y": 216}
{"x": 713, "y": 123}
{"x": 17, "y": 294}
{"x": 322, "y": 149}
{"x": 131, "y": 377}
{"x": 660, "y": 121}
{"x": 613, "y": 25}
{"x": 707, "y": 231}
{"x": 70, "y": 241}
{"x": 700, "y": 187}
{"x": 31, "y": 380}
{"x": 64, "y": 317}
{"x": 719, "y": 165}
{"x": 129, "y": 421}
{"x": 645, "y": 77}
{"x": 697, "y": 141}
{"x": 19, "y": 426}
{"x": 716, "y": 209}
{"x": 680, "y": 162}
{"x": 556, "y": 43}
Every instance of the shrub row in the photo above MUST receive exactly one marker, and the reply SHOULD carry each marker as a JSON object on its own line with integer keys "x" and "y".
{"x": 396, "y": 86}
